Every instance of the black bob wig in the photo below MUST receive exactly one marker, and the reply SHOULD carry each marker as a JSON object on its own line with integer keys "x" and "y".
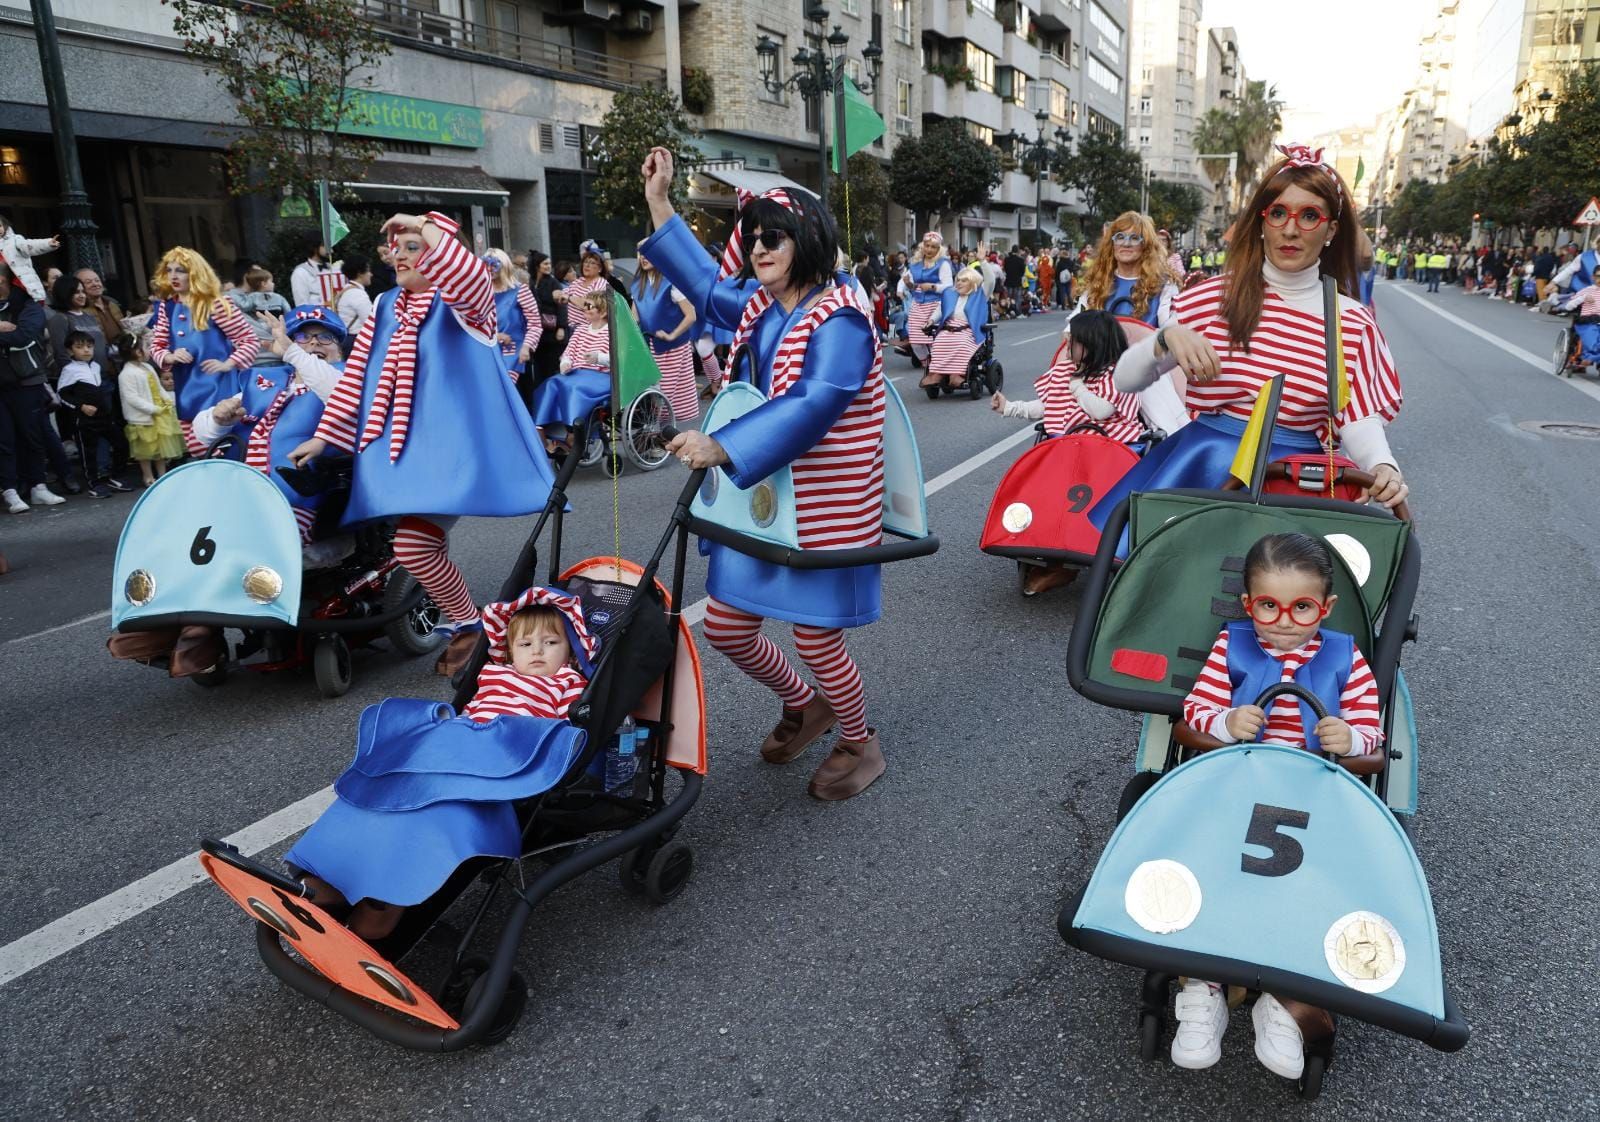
{"x": 816, "y": 237}
{"x": 1101, "y": 337}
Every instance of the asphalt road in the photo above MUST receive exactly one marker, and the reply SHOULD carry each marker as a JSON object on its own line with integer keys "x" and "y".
{"x": 893, "y": 957}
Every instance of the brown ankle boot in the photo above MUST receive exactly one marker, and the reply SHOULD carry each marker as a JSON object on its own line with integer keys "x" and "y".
{"x": 142, "y": 646}
{"x": 796, "y": 730}
{"x": 1044, "y": 578}
{"x": 197, "y": 650}
{"x": 457, "y": 652}
{"x": 852, "y": 767}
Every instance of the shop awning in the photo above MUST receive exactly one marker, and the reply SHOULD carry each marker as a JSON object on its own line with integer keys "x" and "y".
{"x": 390, "y": 181}
{"x": 747, "y": 179}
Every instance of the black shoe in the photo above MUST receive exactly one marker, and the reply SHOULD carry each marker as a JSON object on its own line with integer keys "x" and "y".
{"x": 115, "y": 484}
{"x": 99, "y": 491}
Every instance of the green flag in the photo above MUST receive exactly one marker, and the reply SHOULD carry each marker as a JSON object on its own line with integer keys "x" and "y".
{"x": 862, "y": 125}
{"x": 1361, "y": 169}
{"x": 633, "y": 365}
{"x": 337, "y": 227}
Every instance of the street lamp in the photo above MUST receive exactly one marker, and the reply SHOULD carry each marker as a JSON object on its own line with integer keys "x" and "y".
{"x": 1044, "y": 157}
{"x": 819, "y": 72}
{"x": 83, "y": 251}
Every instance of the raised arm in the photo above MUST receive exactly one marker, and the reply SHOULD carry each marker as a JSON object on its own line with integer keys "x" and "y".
{"x": 237, "y": 329}
{"x": 461, "y": 278}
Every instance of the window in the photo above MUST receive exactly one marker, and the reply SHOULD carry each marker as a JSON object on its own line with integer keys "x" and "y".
{"x": 1147, "y": 74}
{"x": 1060, "y": 103}
{"x": 1144, "y": 106}
{"x": 852, "y": 69}
{"x": 772, "y": 65}
{"x": 1104, "y": 77}
{"x": 850, "y": 7}
{"x": 985, "y": 6}
{"x": 1074, "y": 112}
{"x": 981, "y": 63}
{"x": 902, "y": 107}
{"x": 1144, "y": 140}
{"x": 1105, "y": 25}
{"x": 1012, "y": 85}
{"x": 902, "y": 21}
{"x": 982, "y": 132}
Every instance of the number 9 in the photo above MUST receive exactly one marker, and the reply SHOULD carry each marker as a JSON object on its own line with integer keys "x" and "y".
{"x": 1080, "y": 495}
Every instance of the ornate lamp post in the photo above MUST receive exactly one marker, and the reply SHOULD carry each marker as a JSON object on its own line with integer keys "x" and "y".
{"x": 1042, "y": 155}
{"x": 818, "y": 72}
{"x": 77, "y": 226}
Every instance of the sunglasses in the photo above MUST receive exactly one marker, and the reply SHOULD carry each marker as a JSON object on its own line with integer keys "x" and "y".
{"x": 1306, "y": 218}
{"x": 772, "y": 239}
{"x": 1127, "y": 239}
{"x": 1267, "y": 611}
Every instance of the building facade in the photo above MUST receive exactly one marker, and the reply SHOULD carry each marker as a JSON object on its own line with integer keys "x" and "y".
{"x": 996, "y": 65}
{"x": 515, "y": 87}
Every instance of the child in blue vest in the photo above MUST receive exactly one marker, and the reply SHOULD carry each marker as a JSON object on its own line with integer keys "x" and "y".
{"x": 1288, "y": 592}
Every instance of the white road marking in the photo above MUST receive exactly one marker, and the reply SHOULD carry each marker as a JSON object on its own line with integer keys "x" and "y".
{"x": 60, "y": 627}
{"x": 1542, "y": 364}
{"x": 1034, "y": 338}
{"x": 77, "y": 927}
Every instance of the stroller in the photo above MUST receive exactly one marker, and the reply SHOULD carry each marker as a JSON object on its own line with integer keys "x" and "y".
{"x": 648, "y": 670}
{"x": 214, "y": 543}
{"x": 1254, "y": 865}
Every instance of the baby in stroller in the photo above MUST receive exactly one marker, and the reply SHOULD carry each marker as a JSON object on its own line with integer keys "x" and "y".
{"x": 430, "y": 789}
{"x": 1288, "y": 592}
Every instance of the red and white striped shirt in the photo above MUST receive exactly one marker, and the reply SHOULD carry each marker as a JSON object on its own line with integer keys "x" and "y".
{"x": 578, "y": 289}
{"x": 1062, "y": 409}
{"x": 584, "y": 344}
{"x": 1289, "y": 341}
{"x": 227, "y": 318}
{"x": 1586, "y": 301}
{"x": 530, "y": 312}
{"x": 1207, "y": 707}
{"x": 462, "y": 280}
{"x": 838, "y": 484}
{"x": 502, "y": 692}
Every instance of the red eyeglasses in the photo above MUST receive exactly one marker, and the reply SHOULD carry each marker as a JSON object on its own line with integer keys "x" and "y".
{"x": 1306, "y": 218}
{"x": 1303, "y": 612}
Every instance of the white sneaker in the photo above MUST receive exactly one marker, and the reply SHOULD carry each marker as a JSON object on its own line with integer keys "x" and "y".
{"x": 14, "y": 502}
{"x": 1279, "y": 1045}
{"x": 43, "y": 496}
{"x": 1202, "y": 1012}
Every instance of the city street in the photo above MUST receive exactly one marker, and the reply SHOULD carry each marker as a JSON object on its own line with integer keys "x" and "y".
{"x": 893, "y": 957}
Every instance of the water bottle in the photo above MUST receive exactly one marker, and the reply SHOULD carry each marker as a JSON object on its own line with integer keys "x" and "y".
{"x": 622, "y": 761}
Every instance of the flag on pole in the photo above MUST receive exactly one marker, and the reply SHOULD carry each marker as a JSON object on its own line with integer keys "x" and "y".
{"x": 337, "y": 227}
{"x": 1244, "y": 460}
{"x": 1341, "y": 376}
{"x": 633, "y": 365}
{"x": 1361, "y": 170}
{"x": 862, "y": 125}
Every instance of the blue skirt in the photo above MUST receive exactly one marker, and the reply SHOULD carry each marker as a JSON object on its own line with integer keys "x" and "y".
{"x": 1198, "y": 455}
{"x": 569, "y": 399}
{"x": 425, "y": 794}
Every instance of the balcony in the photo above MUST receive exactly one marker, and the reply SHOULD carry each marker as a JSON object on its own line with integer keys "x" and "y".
{"x": 1020, "y": 53}
{"x": 414, "y": 24}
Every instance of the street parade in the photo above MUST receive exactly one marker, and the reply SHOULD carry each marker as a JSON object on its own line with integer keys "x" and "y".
{"x": 870, "y": 616}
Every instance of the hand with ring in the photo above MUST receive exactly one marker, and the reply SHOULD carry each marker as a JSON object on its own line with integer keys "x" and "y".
{"x": 696, "y": 450}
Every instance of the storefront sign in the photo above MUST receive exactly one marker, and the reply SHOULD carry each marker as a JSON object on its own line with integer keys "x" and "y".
{"x": 413, "y": 118}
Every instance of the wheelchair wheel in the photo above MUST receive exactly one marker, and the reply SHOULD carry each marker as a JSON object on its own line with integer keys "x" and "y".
{"x": 977, "y": 384}
{"x": 413, "y": 633}
{"x": 330, "y": 663}
{"x": 1564, "y": 348}
{"x": 595, "y": 450}
{"x": 996, "y": 377}
{"x": 641, "y": 436}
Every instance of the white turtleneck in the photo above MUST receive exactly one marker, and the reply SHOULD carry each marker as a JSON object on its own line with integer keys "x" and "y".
{"x": 1364, "y": 441}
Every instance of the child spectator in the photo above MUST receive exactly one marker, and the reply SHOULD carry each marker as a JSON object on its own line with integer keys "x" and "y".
{"x": 18, "y": 253}
{"x": 148, "y": 406}
{"x": 86, "y": 392}
{"x": 354, "y": 304}
{"x": 1288, "y": 592}
{"x": 259, "y": 295}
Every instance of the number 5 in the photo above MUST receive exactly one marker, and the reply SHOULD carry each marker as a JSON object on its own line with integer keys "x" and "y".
{"x": 1287, "y": 853}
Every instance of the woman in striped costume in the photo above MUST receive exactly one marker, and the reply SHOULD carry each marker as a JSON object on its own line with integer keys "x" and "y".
{"x": 197, "y": 335}
{"x": 817, "y": 359}
{"x": 927, "y": 276}
{"x": 517, "y": 323}
{"x": 667, "y": 318}
{"x": 428, "y": 410}
{"x": 962, "y": 317}
{"x": 1263, "y": 318}
{"x": 594, "y": 275}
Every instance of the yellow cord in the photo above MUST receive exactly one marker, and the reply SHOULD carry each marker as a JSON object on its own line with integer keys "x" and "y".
{"x": 616, "y": 496}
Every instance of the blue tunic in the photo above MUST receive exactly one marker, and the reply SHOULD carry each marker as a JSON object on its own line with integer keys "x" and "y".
{"x": 1252, "y": 670}
{"x": 196, "y": 390}
{"x": 508, "y": 313}
{"x": 924, "y": 274}
{"x": 296, "y": 424}
{"x": 658, "y": 312}
{"x": 838, "y": 359}
{"x": 1120, "y": 302}
{"x": 571, "y": 398}
{"x": 471, "y": 448}
{"x": 976, "y": 311}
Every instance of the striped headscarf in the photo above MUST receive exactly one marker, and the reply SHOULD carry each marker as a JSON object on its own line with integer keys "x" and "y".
{"x": 733, "y": 255}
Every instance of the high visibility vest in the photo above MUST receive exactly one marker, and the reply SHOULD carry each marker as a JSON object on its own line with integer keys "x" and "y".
{"x": 1420, "y": 260}
{"x": 1222, "y": 257}
{"x": 1437, "y": 261}
{"x": 1194, "y": 261}
{"x": 1210, "y": 259}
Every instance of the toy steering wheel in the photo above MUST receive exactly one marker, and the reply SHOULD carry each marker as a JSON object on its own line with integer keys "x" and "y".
{"x": 1087, "y": 426}
{"x": 1291, "y": 689}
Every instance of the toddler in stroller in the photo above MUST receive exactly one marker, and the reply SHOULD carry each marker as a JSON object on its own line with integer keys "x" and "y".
{"x": 430, "y": 789}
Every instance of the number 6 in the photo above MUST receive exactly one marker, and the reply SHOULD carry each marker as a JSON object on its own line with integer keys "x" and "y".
{"x": 202, "y": 549}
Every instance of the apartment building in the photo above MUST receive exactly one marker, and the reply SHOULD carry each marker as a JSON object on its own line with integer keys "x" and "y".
{"x": 995, "y": 64}
{"x": 513, "y": 89}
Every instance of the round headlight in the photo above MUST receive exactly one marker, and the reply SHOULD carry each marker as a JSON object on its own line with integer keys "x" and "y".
{"x": 140, "y": 588}
{"x": 708, "y": 487}
{"x": 263, "y": 584}
{"x": 1017, "y": 517}
{"x": 763, "y": 504}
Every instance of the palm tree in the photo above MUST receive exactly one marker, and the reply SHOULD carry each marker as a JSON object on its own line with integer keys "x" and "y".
{"x": 1246, "y": 128}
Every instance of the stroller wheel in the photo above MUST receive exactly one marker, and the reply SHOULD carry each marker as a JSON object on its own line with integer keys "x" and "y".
{"x": 668, "y": 873}
{"x": 330, "y": 663}
{"x": 1149, "y": 1035}
{"x": 1310, "y": 1083}
{"x": 211, "y": 679}
{"x": 413, "y": 633}
{"x": 978, "y": 384}
{"x": 465, "y": 988}
{"x": 631, "y": 870}
{"x": 1134, "y": 790}
{"x": 641, "y": 430}
{"x": 996, "y": 377}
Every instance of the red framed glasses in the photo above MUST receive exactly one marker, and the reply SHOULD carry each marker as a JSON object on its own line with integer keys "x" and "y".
{"x": 1266, "y": 610}
{"x": 1307, "y": 218}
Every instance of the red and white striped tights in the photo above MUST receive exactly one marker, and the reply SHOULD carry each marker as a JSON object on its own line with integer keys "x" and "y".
{"x": 737, "y": 634}
{"x": 424, "y": 550}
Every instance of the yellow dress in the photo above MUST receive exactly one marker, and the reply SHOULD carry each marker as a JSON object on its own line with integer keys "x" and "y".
{"x": 162, "y": 439}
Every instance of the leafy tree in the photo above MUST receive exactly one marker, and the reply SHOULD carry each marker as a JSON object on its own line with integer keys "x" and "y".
{"x": 640, "y": 119}
{"x": 869, "y": 200}
{"x": 1175, "y": 206}
{"x": 942, "y": 172}
{"x": 1410, "y": 214}
{"x": 1105, "y": 173}
{"x": 294, "y": 70}
{"x": 1247, "y": 128}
